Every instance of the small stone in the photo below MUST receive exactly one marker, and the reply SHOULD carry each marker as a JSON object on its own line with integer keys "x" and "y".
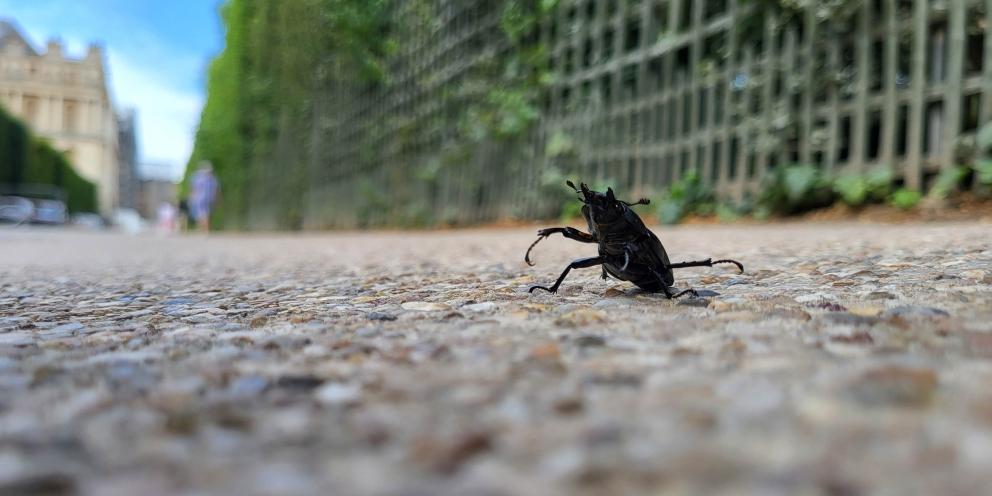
{"x": 544, "y": 352}
{"x": 896, "y": 385}
{"x": 590, "y": 341}
{"x": 424, "y": 306}
{"x": 338, "y": 394}
{"x": 858, "y": 337}
{"x": 299, "y": 382}
{"x": 865, "y": 311}
{"x": 815, "y": 298}
{"x": 850, "y": 319}
{"x": 380, "y": 316}
{"x": 720, "y": 306}
{"x": 568, "y": 405}
{"x": 828, "y": 306}
{"x": 248, "y": 386}
{"x": 916, "y": 311}
{"x": 581, "y": 317}
{"x": 790, "y": 313}
{"x": 694, "y": 301}
{"x": 613, "y": 292}
{"x": 447, "y": 456}
{"x": 982, "y": 276}
{"x": 486, "y": 306}
{"x": 368, "y": 332}
{"x": 881, "y": 295}
{"x": 258, "y": 321}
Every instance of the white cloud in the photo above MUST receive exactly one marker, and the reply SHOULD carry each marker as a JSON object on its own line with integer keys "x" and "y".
{"x": 167, "y": 116}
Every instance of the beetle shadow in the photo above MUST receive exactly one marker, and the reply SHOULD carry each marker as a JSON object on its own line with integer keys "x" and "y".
{"x": 636, "y": 291}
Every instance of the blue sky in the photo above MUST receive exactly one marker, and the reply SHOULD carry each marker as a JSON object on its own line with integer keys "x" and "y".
{"x": 157, "y": 52}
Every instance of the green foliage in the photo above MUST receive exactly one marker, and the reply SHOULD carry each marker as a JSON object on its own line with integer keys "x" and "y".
{"x": 560, "y": 144}
{"x": 856, "y": 189}
{"x": 792, "y": 190}
{"x": 25, "y": 159}
{"x": 255, "y": 127}
{"x": 983, "y": 171}
{"x": 571, "y": 210}
{"x": 727, "y": 213}
{"x": 13, "y": 148}
{"x": 905, "y": 199}
{"x": 686, "y": 196}
{"x": 983, "y": 140}
{"x": 948, "y": 181}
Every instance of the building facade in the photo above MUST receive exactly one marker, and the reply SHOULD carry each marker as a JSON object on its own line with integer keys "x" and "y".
{"x": 129, "y": 184}
{"x": 65, "y": 100}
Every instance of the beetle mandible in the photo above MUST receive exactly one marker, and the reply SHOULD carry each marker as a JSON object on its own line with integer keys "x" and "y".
{"x": 628, "y": 250}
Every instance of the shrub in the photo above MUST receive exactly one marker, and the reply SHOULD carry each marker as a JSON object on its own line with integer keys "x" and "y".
{"x": 905, "y": 198}
{"x": 792, "y": 190}
{"x": 983, "y": 171}
{"x": 685, "y": 196}
{"x": 948, "y": 180}
{"x": 873, "y": 187}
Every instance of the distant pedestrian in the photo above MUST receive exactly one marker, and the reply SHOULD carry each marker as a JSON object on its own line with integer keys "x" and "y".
{"x": 183, "y": 220}
{"x": 166, "y": 217}
{"x": 204, "y": 191}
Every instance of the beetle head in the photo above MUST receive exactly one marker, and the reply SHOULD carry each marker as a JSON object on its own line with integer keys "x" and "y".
{"x": 604, "y": 207}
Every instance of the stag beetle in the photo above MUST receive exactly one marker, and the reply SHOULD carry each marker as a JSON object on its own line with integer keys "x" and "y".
{"x": 628, "y": 250}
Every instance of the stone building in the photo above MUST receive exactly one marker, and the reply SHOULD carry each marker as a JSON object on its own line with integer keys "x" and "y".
{"x": 129, "y": 184}
{"x": 65, "y": 100}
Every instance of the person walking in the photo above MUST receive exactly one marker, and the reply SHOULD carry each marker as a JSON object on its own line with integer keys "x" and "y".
{"x": 204, "y": 190}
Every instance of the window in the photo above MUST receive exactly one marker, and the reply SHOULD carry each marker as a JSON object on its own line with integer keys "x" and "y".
{"x": 70, "y": 117}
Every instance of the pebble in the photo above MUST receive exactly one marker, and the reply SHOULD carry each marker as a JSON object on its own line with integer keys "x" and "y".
{"x": 335, "y": 394}
{"x": 424, "y": 306}
{"x": 483, "y": 307}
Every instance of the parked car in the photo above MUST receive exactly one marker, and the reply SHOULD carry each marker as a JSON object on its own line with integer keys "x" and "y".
{"x": 47, "y": 202}
{"x": 15, "y": 209}
{"x": 49, "y": 212}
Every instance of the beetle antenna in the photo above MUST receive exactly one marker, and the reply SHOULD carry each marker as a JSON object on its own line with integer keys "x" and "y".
{"x": 642, "y": 201}
{"x": 572, "y": 185}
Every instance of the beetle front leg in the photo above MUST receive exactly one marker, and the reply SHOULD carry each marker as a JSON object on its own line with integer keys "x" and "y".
{"x": 568, "y": 232}
{"x": 581, "y": 263}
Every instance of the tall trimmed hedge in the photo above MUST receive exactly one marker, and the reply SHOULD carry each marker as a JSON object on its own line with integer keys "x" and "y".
{"x": 27, "y": 159}
{"x": 13, "y": 149}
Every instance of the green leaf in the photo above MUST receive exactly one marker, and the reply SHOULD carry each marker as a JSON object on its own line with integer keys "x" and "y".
{"x": 984, "y": 139}
{"x": 560, "y": 144}
{"x": 799, "y": 181}
{"x": 852, "y": 189}
{"x": 905, "y": 198}
{"x": 983, "y": 170}
{"x": 948, "y": 180}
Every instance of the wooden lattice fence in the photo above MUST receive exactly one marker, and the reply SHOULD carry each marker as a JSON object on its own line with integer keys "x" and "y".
{"x": 647, "y": 90}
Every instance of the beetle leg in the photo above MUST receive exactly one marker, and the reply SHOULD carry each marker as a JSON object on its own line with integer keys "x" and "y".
{"x": 577, "y": 264}
{"x": 707, "y": 263}
{"x": 671, "y": 295}
{"x": 568, "y": 232}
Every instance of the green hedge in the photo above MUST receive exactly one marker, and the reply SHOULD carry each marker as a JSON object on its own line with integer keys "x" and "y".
{"x": 26, "y": 159}
{"x": 13, "y": 149}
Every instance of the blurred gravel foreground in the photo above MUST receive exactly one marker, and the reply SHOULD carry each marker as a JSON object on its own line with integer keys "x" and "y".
{"x": 848, "y": 359}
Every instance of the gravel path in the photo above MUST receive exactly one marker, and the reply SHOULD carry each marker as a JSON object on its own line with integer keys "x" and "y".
{"x": 848, "y": 359}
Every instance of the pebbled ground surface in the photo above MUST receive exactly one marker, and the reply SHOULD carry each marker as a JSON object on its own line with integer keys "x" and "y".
{"x": 848, "y": 359}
